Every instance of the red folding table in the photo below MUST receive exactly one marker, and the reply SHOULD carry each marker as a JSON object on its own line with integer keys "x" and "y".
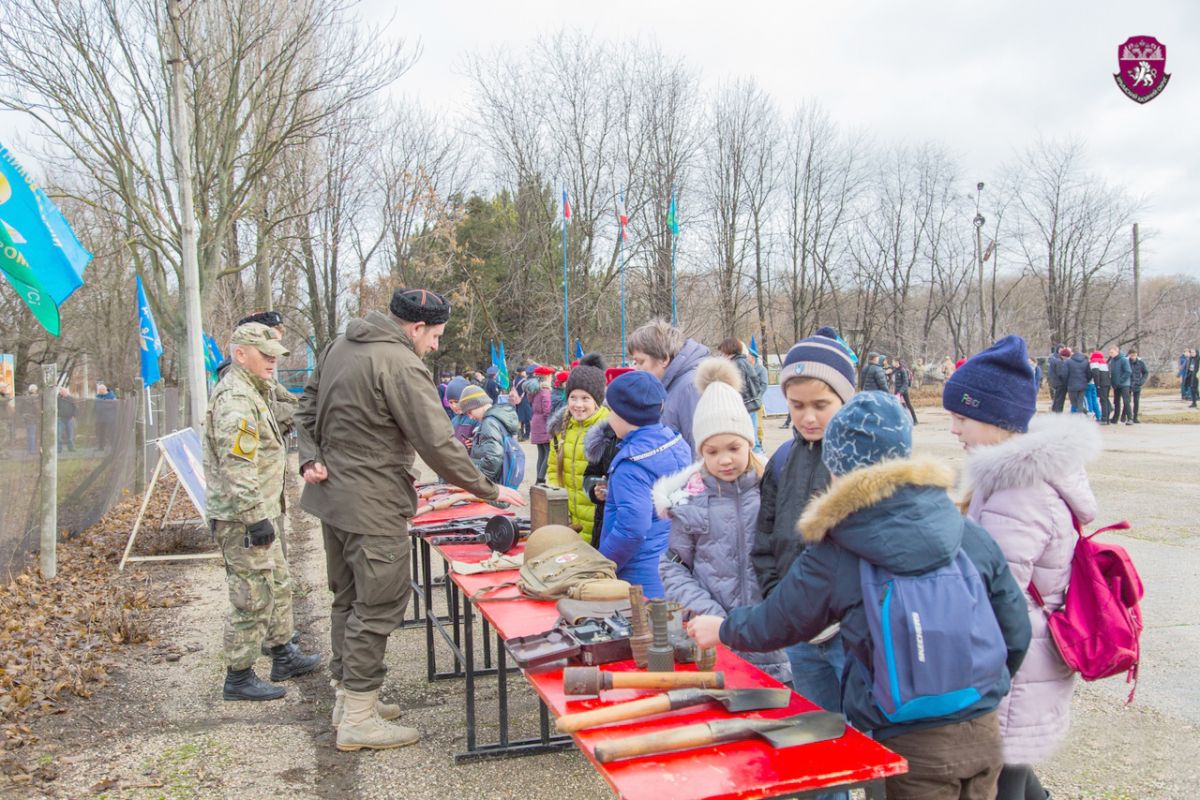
{"x": 746, "y": 769}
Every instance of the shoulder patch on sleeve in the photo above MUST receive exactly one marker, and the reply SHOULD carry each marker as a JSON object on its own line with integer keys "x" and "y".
{"x": 245, "y": 441}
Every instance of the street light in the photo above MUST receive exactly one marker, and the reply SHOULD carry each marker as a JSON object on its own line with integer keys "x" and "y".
{"x": 979, "y": 222}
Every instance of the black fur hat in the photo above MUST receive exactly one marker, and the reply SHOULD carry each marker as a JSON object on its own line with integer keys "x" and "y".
{"x": 593, "y": 360}
{"x": 420, "y": 305}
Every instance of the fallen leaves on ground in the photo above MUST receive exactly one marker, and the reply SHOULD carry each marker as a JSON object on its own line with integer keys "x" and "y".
{"x": 60, "y": 637}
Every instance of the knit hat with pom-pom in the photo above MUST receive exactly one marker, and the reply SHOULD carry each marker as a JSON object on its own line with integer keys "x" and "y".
{"x": 720, "y": 409}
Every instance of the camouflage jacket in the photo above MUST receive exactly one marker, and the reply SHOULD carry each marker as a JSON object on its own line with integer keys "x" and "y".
{"x": 283, "y": 406}
{"x": 282, "y": 402}
{"x": 244, "y": 453}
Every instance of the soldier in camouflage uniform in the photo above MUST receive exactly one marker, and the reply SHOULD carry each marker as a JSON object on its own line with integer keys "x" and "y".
{"x": 244, "y": 462}
{"x": 283, "y": 403}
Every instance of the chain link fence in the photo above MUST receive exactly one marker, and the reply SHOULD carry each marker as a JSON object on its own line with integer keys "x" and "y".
{"x": 97, "y": 461}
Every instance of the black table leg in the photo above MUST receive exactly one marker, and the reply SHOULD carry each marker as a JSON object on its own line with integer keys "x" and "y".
{"x": 469, "y": 667}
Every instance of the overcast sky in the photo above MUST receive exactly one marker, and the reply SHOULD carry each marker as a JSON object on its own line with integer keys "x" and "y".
{"x": 984, "y": 79}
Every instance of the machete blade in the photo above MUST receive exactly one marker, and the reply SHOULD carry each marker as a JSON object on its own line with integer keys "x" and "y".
{"x": 750, "y": 699}
{"x": 815, "y": 726}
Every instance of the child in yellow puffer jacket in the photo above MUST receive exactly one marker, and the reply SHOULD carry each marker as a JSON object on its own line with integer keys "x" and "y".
{"x": 568, "y": 429}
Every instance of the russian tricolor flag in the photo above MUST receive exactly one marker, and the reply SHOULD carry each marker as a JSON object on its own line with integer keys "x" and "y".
{"x": 621, "y": 213}
{"x": 566, "y": 206}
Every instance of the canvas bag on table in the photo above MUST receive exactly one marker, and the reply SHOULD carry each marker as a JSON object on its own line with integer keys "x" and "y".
{"x": 558, "y": 563}
{"x": 1098, "y": 628}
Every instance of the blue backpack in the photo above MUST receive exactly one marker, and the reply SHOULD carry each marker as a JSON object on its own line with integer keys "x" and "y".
{"x": 512, "y": 470}
{"x": 937, "y": 646}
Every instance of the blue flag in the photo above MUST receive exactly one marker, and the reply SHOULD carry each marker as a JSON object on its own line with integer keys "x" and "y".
{"x": 212, "y": 354}
{"x": 578, "y": 349}
{"x": 148, "y": 334}
{"x": 39, "y": 254}
{"x": 502, "y": 368}
{"x": 753, "y": 347}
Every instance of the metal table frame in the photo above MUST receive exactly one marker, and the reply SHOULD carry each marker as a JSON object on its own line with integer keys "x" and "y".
{"x": 459, "y": 636}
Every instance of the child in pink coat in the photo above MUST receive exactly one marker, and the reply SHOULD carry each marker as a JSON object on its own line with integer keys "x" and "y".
{"x": 1027, "y": 483}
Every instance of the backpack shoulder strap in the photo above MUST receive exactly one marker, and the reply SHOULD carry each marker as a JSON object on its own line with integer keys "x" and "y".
{"x": 780, "y": 459}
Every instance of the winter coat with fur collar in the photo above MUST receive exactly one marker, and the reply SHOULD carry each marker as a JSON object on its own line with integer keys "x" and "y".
{"x": 1023, "y": 492}
{"x": 897, "y": 514}
{"x": 707, "y": 564}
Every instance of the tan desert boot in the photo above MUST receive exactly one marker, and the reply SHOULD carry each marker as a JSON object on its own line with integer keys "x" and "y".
{"x": 362, "y": 727}
{"x": 386, "y": 711}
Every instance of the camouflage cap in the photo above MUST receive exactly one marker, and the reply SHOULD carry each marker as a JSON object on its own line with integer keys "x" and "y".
{"x": 255, "y": 334}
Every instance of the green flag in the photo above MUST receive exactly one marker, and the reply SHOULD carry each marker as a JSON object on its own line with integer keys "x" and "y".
{"x": 672, "y": 220}
{"x": 25, "y": 281}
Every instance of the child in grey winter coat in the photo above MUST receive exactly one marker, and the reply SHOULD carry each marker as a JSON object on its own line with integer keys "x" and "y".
{"x": 713, "y": 507}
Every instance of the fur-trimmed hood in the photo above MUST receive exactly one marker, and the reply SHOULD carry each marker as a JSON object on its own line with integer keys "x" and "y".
{"x": 596, "y": 441}
{"x": 1055, "y": 451}
{"x": 672, "y": 490}
{"x": 897, "y": 514}
{"x": 557, "y": 421}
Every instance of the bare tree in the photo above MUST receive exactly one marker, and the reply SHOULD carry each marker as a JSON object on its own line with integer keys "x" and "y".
{"x": 263, "y": 77}
{"x": 822, "y": 178}
{"x": 1072, "y": 230}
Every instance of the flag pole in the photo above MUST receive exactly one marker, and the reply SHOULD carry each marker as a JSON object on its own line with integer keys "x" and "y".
{"x": 674, "y": 241}
{"x": 566, "y": 296}
{"x": 621, "y": 262}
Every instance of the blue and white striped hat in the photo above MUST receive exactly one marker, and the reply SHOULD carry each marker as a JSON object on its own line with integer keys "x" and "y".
{"x": 822, "y": 357}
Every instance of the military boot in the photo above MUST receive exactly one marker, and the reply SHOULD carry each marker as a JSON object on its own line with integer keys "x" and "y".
{"x": 244, "y": 684}
{"x": 266, "y": 650}
{"x": 362, "y": 726}
{"x": 386, "y": 711}
{"x": 287, "y": 662}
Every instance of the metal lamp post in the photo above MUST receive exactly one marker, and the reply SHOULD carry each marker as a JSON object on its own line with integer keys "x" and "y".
{"x": 979, "y": 222}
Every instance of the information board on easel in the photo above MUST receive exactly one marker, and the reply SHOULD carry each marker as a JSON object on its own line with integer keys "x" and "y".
{"x": 181, "y": 453}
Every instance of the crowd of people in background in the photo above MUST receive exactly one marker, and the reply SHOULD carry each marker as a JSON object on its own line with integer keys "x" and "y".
{"x": 24, "y": 414}
{"x": 1106, "y": 387}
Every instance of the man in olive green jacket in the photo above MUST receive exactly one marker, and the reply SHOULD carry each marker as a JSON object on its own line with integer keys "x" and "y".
{"x": 369, "y": 408}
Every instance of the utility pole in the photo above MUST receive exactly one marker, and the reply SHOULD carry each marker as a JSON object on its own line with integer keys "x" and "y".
{"x": 979, "y": 222}
{"x": 181, "y": 148}
{"x": 48, "y": 556}
{"x": 1137, "y": 293}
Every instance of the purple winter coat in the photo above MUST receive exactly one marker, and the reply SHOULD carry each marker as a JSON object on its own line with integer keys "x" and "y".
{"x": 707, "y": 565}
{"x": 538, "y": 432}
{"x": 679, "y": 380}
{"x": 1023, "y": 492}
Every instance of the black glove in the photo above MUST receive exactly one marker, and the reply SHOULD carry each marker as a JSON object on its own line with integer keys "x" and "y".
{"x": 260, "y": 534}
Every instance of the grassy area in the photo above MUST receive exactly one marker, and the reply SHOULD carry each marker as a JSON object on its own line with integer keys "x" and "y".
{"x": 1176, "y": 418}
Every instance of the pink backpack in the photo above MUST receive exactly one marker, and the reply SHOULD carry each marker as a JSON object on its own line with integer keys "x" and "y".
{"x": 1097, "y": 628}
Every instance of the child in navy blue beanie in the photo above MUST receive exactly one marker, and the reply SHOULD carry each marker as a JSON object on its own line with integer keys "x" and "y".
{"x": 634, "y": 537}
{"x": 1026, "y": 483}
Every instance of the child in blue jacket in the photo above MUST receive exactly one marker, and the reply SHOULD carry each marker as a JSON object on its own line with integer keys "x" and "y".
{"x": 886, "y": 509}
{"x": 634, "y": 538}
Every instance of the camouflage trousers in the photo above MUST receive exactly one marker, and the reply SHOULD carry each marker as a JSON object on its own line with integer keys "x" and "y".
{"x": 260, "y": 594}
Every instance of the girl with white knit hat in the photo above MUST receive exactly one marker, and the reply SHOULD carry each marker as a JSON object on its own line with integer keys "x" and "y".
{"x": 713, "y": 508}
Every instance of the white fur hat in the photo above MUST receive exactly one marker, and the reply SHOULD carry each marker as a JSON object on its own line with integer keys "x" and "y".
{"x": 720, "y": 409}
